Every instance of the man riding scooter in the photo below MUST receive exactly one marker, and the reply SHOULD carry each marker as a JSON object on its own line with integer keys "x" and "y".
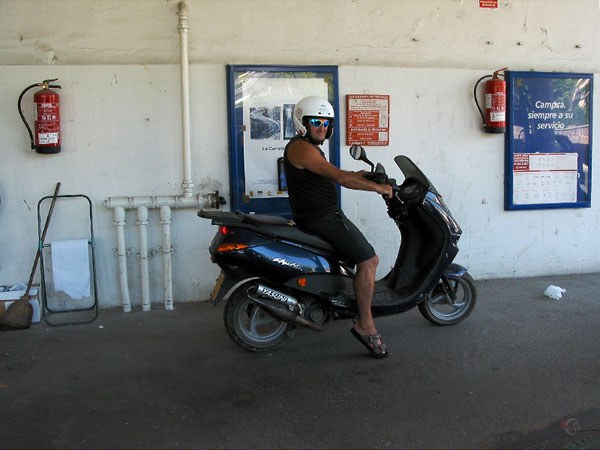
{"x": 275, "y": 276}
{"x": 313, "y": 196}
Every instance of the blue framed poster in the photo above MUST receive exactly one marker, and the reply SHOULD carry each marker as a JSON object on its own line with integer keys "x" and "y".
{"x": 261, "y": 101}
{"x": 548, "y": 140}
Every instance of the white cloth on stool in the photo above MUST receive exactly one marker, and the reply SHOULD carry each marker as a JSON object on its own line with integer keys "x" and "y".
{"x": 71, "y": 268}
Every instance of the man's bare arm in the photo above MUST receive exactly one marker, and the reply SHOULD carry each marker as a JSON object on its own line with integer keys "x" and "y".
{"x": 305, "y": 156}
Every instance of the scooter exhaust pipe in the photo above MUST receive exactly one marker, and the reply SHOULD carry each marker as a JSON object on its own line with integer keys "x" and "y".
{"x": 283, "y": 313}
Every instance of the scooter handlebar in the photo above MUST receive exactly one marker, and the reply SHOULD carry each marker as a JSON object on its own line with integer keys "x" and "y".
{"x": 376, "y": 177}
{"x": 380, "y": 178}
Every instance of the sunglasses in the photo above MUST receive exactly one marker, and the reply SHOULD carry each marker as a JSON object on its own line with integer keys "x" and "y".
{"x": 318, "y": 122}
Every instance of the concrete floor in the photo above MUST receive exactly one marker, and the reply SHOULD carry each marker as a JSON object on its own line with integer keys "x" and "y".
{"x": 508, "y": 377}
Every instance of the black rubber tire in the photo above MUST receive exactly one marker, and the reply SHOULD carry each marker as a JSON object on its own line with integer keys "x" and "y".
{"x": 242, "y": 321}
{"x": 466, "y": 297}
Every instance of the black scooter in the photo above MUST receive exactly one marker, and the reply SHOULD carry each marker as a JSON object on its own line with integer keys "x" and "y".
{"x": 275, "y": 276}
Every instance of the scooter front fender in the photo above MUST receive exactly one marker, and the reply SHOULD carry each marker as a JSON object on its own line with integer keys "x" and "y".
{"x": 455, "y": 271}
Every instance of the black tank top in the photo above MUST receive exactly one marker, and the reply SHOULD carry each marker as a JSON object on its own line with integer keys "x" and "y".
{"x": 311, "y": 195}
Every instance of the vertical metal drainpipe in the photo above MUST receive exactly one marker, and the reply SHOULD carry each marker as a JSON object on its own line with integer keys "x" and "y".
{"x": 165, "y": 220}
{"x": 142, "y": 215}
{"x": 182, "y": 27}
{"x": 119, "y": 222}
{"x": 164, "y": 203}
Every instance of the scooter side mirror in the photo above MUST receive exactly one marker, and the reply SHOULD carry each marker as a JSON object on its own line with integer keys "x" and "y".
{"x": 358, "y": 153}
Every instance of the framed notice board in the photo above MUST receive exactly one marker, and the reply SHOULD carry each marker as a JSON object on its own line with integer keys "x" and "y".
{"x": 261, "y": 102}
{"x": 367, "y": 119}
{"x": 548, "y": 140}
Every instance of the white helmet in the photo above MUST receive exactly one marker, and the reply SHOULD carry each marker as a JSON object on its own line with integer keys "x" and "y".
{"x": 312, "y": 107}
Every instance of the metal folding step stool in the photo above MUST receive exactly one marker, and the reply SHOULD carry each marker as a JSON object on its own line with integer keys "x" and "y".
{"x": 48, "y": 294}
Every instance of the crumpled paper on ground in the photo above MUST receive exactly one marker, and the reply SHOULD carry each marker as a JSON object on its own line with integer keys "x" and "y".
{"x": 554, "y": 292}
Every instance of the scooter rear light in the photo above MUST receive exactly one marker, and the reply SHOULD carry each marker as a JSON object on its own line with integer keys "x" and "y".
{"x": 230, "y": 247}
{"x": 224, "y": 230}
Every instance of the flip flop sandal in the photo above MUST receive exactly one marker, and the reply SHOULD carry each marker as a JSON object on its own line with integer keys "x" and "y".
{"x": 370, "y": 343}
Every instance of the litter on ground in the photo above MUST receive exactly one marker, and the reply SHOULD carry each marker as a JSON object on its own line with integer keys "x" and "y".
{"x": 554, "y": 292}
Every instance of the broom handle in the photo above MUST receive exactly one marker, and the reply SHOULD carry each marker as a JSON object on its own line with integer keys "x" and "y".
{"x": 37, "y": 255}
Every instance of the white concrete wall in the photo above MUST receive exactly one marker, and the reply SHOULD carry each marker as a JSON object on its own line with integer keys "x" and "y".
{"x": 434, "y": 122}
{"x": 520, "y": 34}
{"x": 116, "y": 61}
{"x": 121, "y": 130}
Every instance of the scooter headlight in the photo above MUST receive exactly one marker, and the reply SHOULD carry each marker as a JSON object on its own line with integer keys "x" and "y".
{"x": 443, "y": 209}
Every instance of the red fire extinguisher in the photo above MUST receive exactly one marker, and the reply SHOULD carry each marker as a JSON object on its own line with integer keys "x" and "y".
{"x": 47, "y": 120}
{"x": 494, "y": 120}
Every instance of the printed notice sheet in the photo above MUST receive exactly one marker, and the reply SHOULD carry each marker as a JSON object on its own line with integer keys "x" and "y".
{"x": 542, "y": 178}
{"x": 368, "y": 119}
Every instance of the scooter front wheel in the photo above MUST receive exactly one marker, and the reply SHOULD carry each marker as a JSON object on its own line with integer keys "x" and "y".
{"x": 251, "y": 327}
{"x": 451, "y": 301}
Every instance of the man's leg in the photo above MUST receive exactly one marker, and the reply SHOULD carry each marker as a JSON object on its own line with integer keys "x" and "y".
{"x": 364, "y": 284}
{"x": 351, "y": 245}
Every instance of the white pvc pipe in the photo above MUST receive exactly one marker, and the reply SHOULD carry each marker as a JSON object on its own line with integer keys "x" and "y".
{"x": 165, "y": 219}
{"x": 142, "y": 215}
{"x": 165, "y": 203}
{"x": 152, "y": 202}
{"x": 182, "y": 27}
{"x": 119, "y": 223}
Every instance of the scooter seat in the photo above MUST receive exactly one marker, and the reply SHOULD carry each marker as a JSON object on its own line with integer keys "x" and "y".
{"x": 288, "y": 230}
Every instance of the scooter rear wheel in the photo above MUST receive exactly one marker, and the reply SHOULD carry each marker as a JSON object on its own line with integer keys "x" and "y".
{"x": 441, "y": 309}
{"x": 251, "y": 327}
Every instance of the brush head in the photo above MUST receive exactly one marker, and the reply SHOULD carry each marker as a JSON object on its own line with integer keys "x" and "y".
{"x": 17, "y": 316}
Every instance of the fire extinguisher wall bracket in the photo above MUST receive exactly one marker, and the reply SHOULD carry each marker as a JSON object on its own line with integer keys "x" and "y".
{"x": 47, "y": 124}
{"x": 494, "y": 119}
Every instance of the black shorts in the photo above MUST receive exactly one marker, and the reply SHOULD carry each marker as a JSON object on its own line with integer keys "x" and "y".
{"x": 342, "y": 234}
